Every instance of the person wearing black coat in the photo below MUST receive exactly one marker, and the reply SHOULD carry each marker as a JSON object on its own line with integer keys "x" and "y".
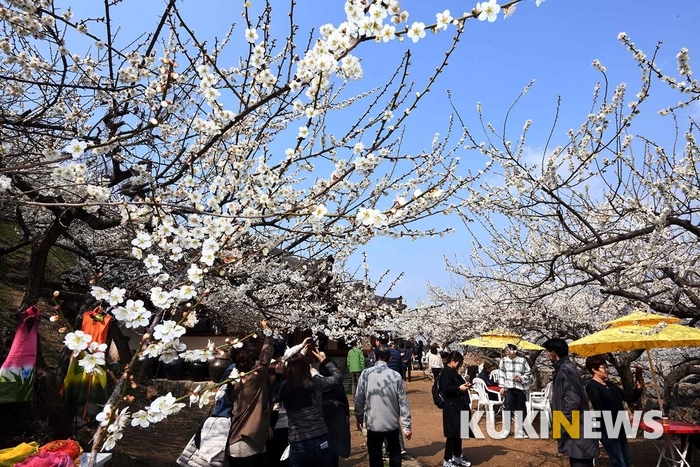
{"x": 455, "y": 393}
{"x": 336, "y": 414}
{"x": 395, "y": 362}
{"x": 606, "y": 396}
{"x": 569, "y": 396}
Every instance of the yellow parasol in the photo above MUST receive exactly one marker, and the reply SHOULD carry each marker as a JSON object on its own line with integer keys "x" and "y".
{"x": 635, "y": 337}
{"x": 499, "y": 339}
{"x": 642, "y": 318}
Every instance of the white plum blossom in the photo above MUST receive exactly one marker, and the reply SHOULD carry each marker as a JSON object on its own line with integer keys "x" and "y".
{"x": 5, "y": 183}
{"x": 319, "y": 211}
{"x": 488, "y": 10}
{"x": 90, "y": 361}
{"x": 168, "y": 331}
{"x": 116, "y": 296}
{"x": 105, "y": 415}
{"x": 191, "y": 319}
{"x": 77, "y": 341}
{"x": 371, "y": 217}
{"x": 443, "y": 20}
{"x": 187, "y": 292}
{"x": 416, "y": 31}
{"x": 160, "y": 298}
{"x": 99, "y": 293}
{"x": 251, "y": 35}
{"x": 195, "y": 274}
{"x": 162, "y": 407}
{"x": 140, "y": 419}
{"x": 142, "y": 241}
{"x": 111, "y": 441}
{"x": 75, "y": 148}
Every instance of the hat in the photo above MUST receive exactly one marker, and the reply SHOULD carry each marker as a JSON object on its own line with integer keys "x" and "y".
{"x": 510, "y": 347}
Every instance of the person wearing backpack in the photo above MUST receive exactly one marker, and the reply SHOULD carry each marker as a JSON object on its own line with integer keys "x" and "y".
{"x": 453, "y": 393}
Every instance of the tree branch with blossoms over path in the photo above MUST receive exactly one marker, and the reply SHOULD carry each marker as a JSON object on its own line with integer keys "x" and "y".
{"x": 165, "y": 155}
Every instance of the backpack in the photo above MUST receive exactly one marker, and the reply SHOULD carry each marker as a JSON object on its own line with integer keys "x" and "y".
{"x": 438, "y": 398}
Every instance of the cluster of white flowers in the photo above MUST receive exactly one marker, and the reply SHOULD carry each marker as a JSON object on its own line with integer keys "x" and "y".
{"x": 371, "y": 217}
{"x": 5, "y": 183}
{"x": 114, "y": 297}
{"x": 193, "y": 182}
{"x": 93, "y": 354}
{"x": 168, "y": 331}
{"x": 367, "y": 163}
{"x": 202, "y": 398}
{"x": 133, "y": 314}
{"x": 157, "y": 411}
{"x": 115, "y": 424}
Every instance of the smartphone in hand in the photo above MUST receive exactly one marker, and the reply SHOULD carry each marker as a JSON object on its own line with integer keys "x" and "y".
{"x": 639, "y": 375}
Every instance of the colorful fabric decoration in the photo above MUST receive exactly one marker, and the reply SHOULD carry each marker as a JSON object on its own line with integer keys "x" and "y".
{"x": 47, "y": 459}
{"x": 67, "y": 446}
{"x": 17, "y": 373}
{"x": 10, "y": 456}
{"x": 88, "y": 390}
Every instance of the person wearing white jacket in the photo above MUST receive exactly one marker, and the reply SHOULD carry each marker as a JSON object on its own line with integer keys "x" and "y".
{"x": 435, "y": 362}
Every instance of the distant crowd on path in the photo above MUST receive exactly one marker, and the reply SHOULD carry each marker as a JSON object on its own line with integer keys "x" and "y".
{"x": 283, "y": 412}
{"x": 514, "y": 379}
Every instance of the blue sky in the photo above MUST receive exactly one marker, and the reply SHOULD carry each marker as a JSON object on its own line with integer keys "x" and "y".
{"x": 553, "y": 44}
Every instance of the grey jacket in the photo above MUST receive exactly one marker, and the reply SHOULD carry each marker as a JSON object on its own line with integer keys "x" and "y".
{"x": 568, "y": 396}
{"x": 380, "y": 399}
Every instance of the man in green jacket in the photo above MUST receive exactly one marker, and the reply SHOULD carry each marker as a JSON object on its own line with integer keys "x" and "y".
{"x": 356, "y": 363}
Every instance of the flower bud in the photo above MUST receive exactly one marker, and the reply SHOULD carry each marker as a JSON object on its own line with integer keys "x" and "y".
{"x": 56, "y": 293}
{"x": 54, "y": 318}
{"x": 63, "y": 329}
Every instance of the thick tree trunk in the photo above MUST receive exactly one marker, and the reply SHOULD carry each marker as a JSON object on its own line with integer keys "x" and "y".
{"x": 622, "y": 364}
{"x": 39, "y": 258}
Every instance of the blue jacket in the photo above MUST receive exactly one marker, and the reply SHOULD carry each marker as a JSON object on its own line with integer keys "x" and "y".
{"x": 395, "y": 362}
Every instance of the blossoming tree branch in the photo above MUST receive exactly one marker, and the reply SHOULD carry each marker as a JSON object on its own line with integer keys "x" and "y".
{"x": 204, "y": 165}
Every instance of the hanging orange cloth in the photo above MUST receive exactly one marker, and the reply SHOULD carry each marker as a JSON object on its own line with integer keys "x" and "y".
{"x": 96, "y": 323}
{"x": 85, "y": 389}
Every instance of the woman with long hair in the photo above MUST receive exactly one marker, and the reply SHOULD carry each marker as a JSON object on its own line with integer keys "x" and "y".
{"x": 302, "y": 395}
{"x": 455, "y": 393}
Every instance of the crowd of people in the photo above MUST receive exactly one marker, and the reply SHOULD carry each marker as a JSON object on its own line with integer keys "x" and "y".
{"x": 284, "y": 412}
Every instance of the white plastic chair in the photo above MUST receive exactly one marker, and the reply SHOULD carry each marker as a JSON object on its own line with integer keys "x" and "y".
{"x": 473, "y": 397}
{"x": 493, "y": 376}
{"x": 483, "y": 399}
{"x": 539, "y": 401}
